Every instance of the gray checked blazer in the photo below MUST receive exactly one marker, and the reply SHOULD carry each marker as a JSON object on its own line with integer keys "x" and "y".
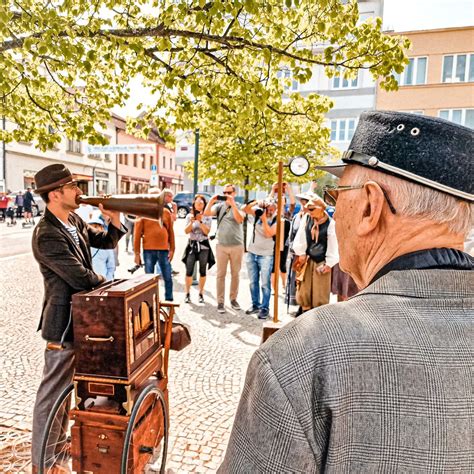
{"x": 380, "y": 383}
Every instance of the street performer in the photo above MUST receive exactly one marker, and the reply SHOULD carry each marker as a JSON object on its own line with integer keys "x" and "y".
{"x": 381, "y": 382}
{"x": 61, "y": 246}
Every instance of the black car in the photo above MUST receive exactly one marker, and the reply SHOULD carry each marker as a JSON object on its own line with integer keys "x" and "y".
{"x": 184, "y": 201}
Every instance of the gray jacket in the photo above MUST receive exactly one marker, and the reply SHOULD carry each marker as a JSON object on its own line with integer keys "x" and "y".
{"x": 66, "y": 268}
{"x": 380, "y": 383}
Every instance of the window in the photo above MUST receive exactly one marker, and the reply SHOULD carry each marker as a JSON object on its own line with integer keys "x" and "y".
{"x": 458, "y": 68}
{"x": 171, "y": 163}
{"x": 414, "y": 73}
{"x": 339, "y": 82}
{"x": 286, "y": 75}
{"x": 461, "y": 116}
{"x": 164, "y": 162}
{"x": 342, "y": 130}
{"x": 143, "y": 160}
{"x": 74, "y": 146}
{"x": 135, "y": 160}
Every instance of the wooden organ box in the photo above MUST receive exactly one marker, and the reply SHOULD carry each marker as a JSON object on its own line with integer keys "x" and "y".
{"x": 117, "y": 339}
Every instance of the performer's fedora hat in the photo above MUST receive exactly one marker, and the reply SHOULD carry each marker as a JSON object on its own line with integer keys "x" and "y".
{"x": 52, "y": 177}
{"x": 426, "y": 150}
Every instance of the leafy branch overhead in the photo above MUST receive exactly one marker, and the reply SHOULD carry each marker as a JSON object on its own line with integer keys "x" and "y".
{"x": 66, "y": 63}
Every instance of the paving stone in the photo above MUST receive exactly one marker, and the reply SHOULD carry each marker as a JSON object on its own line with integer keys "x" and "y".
{"x": 206, "y": 378}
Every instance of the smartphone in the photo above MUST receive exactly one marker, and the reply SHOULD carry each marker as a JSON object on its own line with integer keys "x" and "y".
{"x": 221, "y": 198}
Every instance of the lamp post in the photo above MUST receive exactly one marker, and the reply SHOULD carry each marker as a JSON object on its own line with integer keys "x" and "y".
{"x": 196, "y": 160}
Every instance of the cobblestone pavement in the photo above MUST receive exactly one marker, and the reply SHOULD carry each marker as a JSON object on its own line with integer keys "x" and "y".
{"x": 206, "y": 378}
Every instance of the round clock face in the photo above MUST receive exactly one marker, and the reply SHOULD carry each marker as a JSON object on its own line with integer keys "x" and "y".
{"x": 299, "y": 166}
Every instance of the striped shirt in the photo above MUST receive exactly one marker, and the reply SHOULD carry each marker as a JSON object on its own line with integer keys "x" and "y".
{"x": 72, "y": 230}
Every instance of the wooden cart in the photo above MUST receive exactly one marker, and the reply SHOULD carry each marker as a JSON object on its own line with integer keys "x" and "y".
{"x": 119, "y": 397}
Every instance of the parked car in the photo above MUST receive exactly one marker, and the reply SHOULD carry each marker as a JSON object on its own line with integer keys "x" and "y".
{"x": 184, "y": 201}
{"x": 38, "y": 206}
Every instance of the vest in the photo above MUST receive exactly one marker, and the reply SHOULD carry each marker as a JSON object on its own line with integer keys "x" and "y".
{"x": 317, "y": 250}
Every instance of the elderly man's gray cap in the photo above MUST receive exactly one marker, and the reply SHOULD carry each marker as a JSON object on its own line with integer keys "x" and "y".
{"x": 426, "y": 150}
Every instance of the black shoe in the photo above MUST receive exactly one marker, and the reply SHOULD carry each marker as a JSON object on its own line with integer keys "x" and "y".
{"x": 187, "y": 298}
{"x": 220, "y": 308}
{"x": 235, "y": 305}
{"x": 174, "y": 273}
{"x": 252, "y": 310}
{"x": 201, "y": 298}
{"x": 299, "y": 312}
{"x": 263, "y": 314}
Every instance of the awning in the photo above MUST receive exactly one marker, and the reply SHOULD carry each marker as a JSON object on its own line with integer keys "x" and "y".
{"x": 82, "y": 177}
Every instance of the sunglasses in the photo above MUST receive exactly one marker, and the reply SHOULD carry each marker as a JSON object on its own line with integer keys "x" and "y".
{"x": 227, "y": 192}
{"x": 331, "y": 193}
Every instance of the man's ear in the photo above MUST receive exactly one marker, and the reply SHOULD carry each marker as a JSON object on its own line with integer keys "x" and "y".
{"x": 372, "y": 201}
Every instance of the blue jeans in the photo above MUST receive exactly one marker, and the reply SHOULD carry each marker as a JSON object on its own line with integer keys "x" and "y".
{"x": 103, "y": 262}
{"x": 151, "y": 258}
{"x": 260, "y": 271}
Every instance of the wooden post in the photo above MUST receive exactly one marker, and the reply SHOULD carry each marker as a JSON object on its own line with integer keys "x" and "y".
{"x": 278, "y": 240}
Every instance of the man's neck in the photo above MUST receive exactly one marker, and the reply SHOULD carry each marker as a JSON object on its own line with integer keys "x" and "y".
{"x": 407, "y": 238}
{"x": 59, "y": 212}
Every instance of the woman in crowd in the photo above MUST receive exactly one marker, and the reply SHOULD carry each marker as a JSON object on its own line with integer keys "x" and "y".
{"x": 197, "y": 226}
{"x": 315, "y": 246}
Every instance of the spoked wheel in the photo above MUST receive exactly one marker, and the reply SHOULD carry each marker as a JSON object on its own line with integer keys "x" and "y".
{"x": 56, "y": 444}
{"x": 146, "y": 438}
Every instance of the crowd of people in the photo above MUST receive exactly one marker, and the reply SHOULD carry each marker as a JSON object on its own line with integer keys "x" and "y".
{"x": 308, "y": 248}
{"x": 19, "y": 206}
{"x": 374, "y": 384}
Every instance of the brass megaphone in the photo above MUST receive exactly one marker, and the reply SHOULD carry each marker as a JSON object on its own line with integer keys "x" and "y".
{"x": 149, "y": 206}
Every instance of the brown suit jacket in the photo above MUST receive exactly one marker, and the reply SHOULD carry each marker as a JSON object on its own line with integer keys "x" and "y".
{"x": 66, "y": 268}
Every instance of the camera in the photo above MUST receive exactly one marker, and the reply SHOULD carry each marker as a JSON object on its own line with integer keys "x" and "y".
{"x": 222, "y": 197}
{"x": 134, "y": 269}
{"x": 262, "y": 206}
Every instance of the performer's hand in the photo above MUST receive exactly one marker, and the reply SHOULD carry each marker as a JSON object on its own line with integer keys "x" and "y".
{"x": 138, "y": 260}
{"x": 114, "y": 216}
{"x": 171, "y": 255}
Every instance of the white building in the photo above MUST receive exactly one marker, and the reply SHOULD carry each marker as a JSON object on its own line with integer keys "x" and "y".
{"x": 351, "y": 97}
{"x": 23, "y": 161}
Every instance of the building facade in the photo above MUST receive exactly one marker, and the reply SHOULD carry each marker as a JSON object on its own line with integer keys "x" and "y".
{"x": 135, "y": 171}
{"x": 351, "y": 97}
{"x": 96, "y": 173}
{"x": 439, "y": 80}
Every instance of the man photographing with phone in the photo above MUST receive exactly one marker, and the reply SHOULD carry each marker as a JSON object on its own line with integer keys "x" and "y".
{"x": 230, "y": 243}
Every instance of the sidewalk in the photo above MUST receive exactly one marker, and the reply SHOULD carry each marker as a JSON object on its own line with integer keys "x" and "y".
{"x": 206, "y": 378}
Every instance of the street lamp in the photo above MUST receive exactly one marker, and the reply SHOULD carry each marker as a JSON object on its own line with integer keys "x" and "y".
{"x": 196, "y": 160}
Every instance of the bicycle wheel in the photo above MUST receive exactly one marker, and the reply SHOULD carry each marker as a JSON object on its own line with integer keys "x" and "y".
{"x": 146, "y": 438}
{"x": 56, "y": 443}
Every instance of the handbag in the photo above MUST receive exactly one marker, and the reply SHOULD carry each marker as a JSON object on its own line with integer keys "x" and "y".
{"x": 180, "y": 335}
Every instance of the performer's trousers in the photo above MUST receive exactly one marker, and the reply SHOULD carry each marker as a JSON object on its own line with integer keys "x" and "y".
{"x": 57, "y": 375}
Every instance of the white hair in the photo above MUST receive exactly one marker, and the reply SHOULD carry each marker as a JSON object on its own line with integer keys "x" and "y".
{"x": 414, "y": 200}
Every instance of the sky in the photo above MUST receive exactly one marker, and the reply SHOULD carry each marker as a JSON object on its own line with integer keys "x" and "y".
{"x": 399, "y": 15}
{"x": 408, "y": 15}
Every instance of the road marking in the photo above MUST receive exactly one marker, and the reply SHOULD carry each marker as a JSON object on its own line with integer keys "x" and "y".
{"x": 11, "y": 257}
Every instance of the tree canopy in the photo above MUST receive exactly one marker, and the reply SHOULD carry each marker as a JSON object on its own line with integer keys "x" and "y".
{"x": 66, "y": 63}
